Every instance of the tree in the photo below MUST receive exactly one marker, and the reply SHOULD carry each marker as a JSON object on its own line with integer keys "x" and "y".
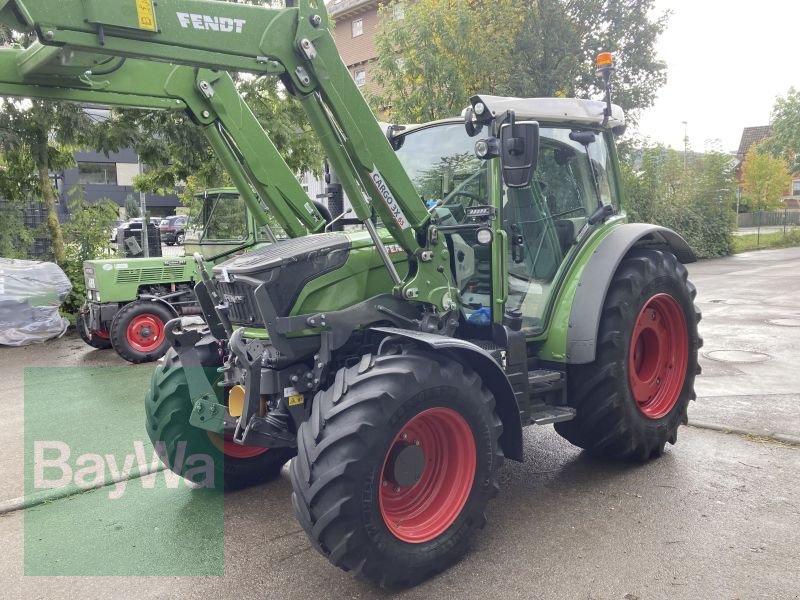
{"x": 557, "y": 47}
{"x": 547, "y": 60}
{"x": 170, "y": 146}
{"x": 442, "y": 52}
{"x": 41, "y": 135}
{"x": 784, "y": 135}
{"x": 36, "y": 139}
{"x": 766, "y": 179}
{"x": 133, "y": 209}
{"x": 696, "y": 201}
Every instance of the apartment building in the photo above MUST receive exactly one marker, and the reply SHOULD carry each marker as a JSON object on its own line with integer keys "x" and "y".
{"x": 97, "y": 177}
{"x": 356, "y": 24}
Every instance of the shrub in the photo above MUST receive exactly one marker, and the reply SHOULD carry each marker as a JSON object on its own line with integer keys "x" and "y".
{"x": 87, "y": 238}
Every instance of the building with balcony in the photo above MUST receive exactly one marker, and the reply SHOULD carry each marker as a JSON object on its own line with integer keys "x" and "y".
{"x": 356, "y": 25}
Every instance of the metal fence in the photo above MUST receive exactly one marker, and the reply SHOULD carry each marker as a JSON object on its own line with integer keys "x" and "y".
{"x": 770, "y": 219}
{"x": 33, "y": 216}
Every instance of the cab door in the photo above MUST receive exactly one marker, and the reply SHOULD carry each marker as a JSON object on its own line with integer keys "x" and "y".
{"x": 574, "y": 178}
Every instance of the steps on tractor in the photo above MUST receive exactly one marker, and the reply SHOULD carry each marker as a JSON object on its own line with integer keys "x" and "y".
{"x": 546, "y": 415}
{"x": 541, "y": 394}
{"x": 547, "y": 391}
{"x": 543, "y": 378}
{"x": 547, "y": 387}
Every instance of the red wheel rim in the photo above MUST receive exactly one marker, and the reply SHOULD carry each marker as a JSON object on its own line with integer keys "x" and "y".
{"x": 658, "y": 356}
{"x": 233, "y": 450}
{"x": 102, "y": 334}
{"x": 145, "y": 332}
{"x": 421, "y": 511}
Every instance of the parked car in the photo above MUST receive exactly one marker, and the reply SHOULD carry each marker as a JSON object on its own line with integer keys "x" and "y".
{"x": 173, "y": 230}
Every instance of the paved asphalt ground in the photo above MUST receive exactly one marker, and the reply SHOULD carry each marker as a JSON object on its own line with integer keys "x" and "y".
{"x": 717, "y": 517}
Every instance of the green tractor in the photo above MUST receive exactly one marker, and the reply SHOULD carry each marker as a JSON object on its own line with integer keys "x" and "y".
{"x": 401, "y": 419}
{"x": 397, "y": 375}
{"x": 129, "y": 301}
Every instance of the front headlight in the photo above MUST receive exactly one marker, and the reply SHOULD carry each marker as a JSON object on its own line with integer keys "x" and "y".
{"x": 88, "y": 277}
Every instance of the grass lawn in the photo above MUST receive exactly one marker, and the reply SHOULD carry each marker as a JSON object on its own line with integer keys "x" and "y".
{"x": 746, "y": 243}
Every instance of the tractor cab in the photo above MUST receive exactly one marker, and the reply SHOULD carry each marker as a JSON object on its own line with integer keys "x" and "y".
{"x": 542, "y": 224}
{"x": 220, "y": 225}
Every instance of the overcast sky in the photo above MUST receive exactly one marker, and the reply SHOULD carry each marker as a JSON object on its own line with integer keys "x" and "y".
{"x": 727, "y": 61}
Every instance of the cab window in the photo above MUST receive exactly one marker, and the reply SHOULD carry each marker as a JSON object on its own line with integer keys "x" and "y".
{"x": 225, "y": 219}
{"x": 441, "y": 162}
{"x": 573, "y": 178}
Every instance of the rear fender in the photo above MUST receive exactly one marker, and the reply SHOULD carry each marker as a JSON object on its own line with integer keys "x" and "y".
{"x": 587, "y": 306}
{"x": 491, "y": 373}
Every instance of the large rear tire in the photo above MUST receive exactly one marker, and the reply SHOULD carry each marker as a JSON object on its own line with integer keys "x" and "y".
{"x": 633, "y": 398}
{"x": 395, "y": 466}
{"x": 168, "y": 407}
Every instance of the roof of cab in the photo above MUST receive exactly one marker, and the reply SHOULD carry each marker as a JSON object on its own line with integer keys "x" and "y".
{"x": 573, "y": 110}
{"x": 546, "y": 110}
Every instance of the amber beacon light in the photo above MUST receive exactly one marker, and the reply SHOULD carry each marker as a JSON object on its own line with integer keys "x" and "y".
{"x": 605, "y": 59}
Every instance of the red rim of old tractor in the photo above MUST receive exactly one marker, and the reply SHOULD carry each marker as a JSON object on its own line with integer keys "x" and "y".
{"x": 658, "y": 356}
{"x": 102, "y": 334}
{"x": 424, "y": 510}
{"x": 233, "y": 450}
{"x": 229, "y": 448}
{"x": 145, "y": 332}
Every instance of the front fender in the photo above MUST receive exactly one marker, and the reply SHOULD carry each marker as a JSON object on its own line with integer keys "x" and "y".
{"x": 491, "y": 373}
{"x": 587, "y": 305}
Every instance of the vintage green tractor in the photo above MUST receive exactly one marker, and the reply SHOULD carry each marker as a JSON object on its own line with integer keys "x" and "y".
{"x": 513, "y": 293}
{"x": 129, "y": 301}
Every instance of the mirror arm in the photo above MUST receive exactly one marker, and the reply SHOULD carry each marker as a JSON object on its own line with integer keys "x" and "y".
{"x": 601, "y": 214}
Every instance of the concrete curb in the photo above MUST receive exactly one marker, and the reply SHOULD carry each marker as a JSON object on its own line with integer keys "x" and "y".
{"x": 771, "y": 435}
{"x": 15, "y": 504}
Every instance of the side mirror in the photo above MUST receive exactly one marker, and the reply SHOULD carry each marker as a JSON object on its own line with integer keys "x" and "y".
{"x": 519, "y": 151}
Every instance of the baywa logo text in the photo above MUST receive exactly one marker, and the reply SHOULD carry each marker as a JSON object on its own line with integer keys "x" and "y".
{"x": 389, "y": 199}
{"x": 52, "y": 468}
{"x": 208, "y": 23}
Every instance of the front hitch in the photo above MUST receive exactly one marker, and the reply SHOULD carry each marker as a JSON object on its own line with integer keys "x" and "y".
{"x": 271, "y": 430}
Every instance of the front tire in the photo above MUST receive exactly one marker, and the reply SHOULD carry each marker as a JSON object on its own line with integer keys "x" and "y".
{"x": 395, "y": 466}
{"x": 98, "y": 339}
{"x": 633, "y": 398}
{"x": 168, "y": 407}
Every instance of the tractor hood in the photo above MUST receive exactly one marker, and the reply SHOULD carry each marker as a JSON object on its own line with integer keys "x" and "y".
{"x": 303, "y": 275}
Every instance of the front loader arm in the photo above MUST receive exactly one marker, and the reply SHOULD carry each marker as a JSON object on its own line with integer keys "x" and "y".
{"x": 293, "y": 43}
{"x": 231, "y": 128}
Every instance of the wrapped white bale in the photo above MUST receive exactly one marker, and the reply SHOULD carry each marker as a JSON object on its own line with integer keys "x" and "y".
{"x": 31, "y": 293}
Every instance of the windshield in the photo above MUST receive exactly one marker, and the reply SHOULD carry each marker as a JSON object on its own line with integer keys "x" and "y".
{"x": 441, "y": 162}
{"x": 574, "y": 177}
